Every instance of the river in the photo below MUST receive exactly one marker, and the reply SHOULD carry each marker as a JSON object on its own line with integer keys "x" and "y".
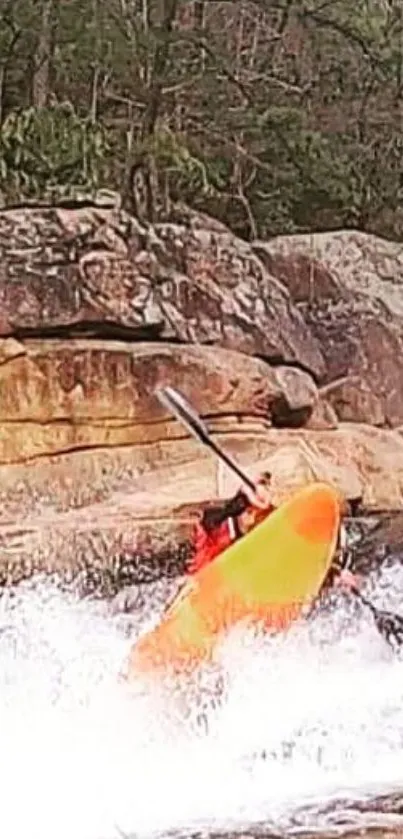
{"x": 309, "y": 725}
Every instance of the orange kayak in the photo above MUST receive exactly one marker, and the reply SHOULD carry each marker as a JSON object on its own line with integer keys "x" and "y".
{"x": 266, "y": 578}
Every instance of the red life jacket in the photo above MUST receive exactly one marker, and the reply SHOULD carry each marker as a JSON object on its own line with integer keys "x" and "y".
{"x": 208, "y": 545}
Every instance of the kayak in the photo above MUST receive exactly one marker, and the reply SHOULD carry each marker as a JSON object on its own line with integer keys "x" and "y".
{"x": 266, "y": 578}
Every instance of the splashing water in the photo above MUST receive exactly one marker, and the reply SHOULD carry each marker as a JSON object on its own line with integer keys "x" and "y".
{"x": 305, "y": 720}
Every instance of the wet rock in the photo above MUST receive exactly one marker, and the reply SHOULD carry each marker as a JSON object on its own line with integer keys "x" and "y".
{"x": 95, "y": 560}
{"x": 103, "y": 529}
{"x": 95, "y": 478}
{"x": 135, "y": 597}
{"x": 297, "y": 399}
{"x": 66, "y": 395}
{"x": 349, "y": 286}
{"x": 387, "y": 803}
{"x": 365, "y": 463}
{"x": 379, "y": 540}
{"x": 111, "y": 517}
{"x": 323, "y": 415}
{"x": 98, "y": 271}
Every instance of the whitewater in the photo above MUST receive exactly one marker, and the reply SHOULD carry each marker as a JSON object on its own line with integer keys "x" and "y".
{"x": 307, "y": 725}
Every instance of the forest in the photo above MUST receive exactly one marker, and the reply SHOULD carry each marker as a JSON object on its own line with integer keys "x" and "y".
{"x": 275, "y": 116}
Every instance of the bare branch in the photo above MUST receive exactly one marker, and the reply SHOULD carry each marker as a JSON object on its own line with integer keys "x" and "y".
{"x": 219, "y": 62}
{"x": 184, "y": 85}
{"x": 114, "y": 97}
{"x": 234, "y": 146}
{"x": 284, "y": 85}
{"x": 158, "y": 68}
{"x": 349, "y": 34}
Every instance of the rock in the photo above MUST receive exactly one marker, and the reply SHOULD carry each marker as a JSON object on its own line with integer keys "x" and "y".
{"x": 297, "y": 400}
{"x": 349, "y": 286}
{"x": 355, "y": 401}
{"x": 98, "y": 271}
{"x": 108, "y": 518}
{"x": 362, "y": 461}
{"x": 100, "y": 558}
{"x": 105, "y": 527}
{"x": 381, "y": 540}
{"x": 320, "y": 266}
{"x": 97, "y": 482}
{"x": 295, "y": 463}
{"x": 323, "y": 415}
{"x": 63, "y": 395}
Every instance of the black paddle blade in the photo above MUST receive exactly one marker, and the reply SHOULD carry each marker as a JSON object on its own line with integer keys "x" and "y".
{"x": 176, "y": 403}
{"x": 388, "y": 624}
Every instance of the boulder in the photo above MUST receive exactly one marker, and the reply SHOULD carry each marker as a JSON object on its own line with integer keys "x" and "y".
{"x": 354, "y": 400}
{"x": 381, "y": 540}
{"x": 111, "y": 517}
{"x": 62, "y": 395}
{"x": 297, "y": 400}
{"x": 349, "y": 287}
{"x": 323, "y": 414}
{"x": 363, "y": 462}
{"x": 97, "y": 481}
{"x": 100, "y": 272}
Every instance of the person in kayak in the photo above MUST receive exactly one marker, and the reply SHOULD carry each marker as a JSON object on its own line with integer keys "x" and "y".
{"x": 222, "y": 524}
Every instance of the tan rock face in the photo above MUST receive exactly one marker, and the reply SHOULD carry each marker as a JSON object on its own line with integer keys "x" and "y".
{"x": 97, "y": 311}
{"x": 353, "y": 399}
{"x": 100, "y": 271}
{"x": 349, "y": 286}
{"x": 361, "y": 461}
{"x": 63, "y": 395}
{"x": 83, "y": 512}
{"x": 295, "y": 459}
{"x": 323, "y": 415}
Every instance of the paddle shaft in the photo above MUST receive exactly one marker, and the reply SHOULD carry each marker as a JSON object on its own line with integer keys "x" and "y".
{"x": 188, "y": 416}
{"x": 230, "y": 463}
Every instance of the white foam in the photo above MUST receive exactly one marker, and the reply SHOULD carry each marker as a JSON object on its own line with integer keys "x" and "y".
{"x": 305, "y": 719}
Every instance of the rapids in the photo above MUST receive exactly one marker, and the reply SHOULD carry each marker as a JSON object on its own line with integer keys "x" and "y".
{"x": 308, "y": 725}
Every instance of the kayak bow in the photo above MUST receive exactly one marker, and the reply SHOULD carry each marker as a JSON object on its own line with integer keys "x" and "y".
{"x": 265, "y": 578}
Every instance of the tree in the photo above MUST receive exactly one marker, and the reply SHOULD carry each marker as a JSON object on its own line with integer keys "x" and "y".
{"x": 274, "y": 115}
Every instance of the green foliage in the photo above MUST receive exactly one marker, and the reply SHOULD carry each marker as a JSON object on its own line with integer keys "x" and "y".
{"x": 274, "y": 117}
{"x": 50, "y": 151}
{"x": 188, "y": 173}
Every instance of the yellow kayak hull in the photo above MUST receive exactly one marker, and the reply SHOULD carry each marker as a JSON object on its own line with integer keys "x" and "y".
{"x": 265, "y": 578}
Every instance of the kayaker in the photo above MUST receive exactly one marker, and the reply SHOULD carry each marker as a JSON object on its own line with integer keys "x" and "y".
{"x": 220, "y": 526}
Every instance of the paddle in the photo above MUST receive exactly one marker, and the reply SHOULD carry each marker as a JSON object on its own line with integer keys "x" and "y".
{"x": 389, "y": 624}
{"x": 186, "y": 414}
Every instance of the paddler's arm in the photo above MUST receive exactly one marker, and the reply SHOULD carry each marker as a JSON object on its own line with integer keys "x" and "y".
{"x": 213, "y": 517}
{"x": 209, "y": 538}
{"x": 240, "y": 510}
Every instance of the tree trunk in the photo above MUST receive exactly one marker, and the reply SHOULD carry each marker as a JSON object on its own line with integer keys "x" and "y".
{"x": 42, "y": 59}
{"x": 159, "y": 68}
